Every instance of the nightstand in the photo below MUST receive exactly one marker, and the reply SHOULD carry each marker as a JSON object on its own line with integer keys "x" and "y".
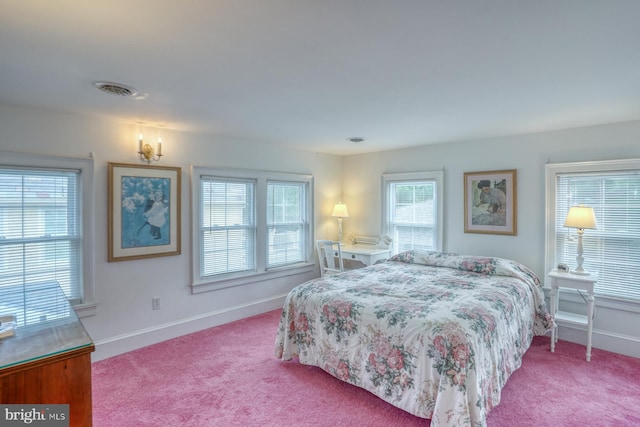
{"x": 559, "y": 279}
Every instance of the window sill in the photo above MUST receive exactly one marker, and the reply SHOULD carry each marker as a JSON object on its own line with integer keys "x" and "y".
{"x": 214, "y": 285}
{"x": 85, "y": 310}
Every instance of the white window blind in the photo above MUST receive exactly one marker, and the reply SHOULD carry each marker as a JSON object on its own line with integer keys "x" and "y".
{"x": 227, "y": 226}
{"x": 40, "y": 241}
{"x": 286, "y": 223}
{"x": 413, "y": 214}
{"x": 251, "y": 226}
{"x": 613, "y": 250}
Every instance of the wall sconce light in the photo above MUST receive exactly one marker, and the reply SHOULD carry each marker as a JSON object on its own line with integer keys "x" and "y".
{"x": 340, "y": 211}
{"x": 147, "y": 153}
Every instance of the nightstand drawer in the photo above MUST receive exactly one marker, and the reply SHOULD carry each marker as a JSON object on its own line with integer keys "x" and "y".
{"x": 584, "y": 283}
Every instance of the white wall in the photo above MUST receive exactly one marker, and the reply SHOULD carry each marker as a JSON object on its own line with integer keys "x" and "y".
{"x": 124, "y": 319}
{"x": 526, "y": 153}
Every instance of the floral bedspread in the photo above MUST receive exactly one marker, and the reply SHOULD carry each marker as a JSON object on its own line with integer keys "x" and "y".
{"x": 435, "y": 334}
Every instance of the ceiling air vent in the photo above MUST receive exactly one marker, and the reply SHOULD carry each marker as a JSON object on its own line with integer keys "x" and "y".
{"x": 356, "y": 139}
{"x": 116, "y": 89}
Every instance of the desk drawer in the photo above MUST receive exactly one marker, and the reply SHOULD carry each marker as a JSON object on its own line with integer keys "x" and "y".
{"x": 357, "y": 257}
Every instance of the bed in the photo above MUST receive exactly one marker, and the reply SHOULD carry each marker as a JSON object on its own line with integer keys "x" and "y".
{"x": 435, "y": 334}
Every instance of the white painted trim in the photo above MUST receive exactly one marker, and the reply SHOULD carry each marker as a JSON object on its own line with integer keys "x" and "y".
{"x": 437, "y": 176}
{"x": 143, "y": 337}
{"x": 551, "y": 172}
{"x": 261, "y": 179}
{"x": 85, "y": 310}
{"x": 86, "y": 193}
{"x": 603, "y": 301}
{"x": 214, "y": 285}
{"x": 603, "y": 340}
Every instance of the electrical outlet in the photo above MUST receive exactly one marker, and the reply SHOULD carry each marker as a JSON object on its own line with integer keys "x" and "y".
{"x": 155, "y": 303}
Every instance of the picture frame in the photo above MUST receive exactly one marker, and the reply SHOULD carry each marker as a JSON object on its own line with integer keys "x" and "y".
{"x": 143, "y": 211}
{"x": 490, "y": 202}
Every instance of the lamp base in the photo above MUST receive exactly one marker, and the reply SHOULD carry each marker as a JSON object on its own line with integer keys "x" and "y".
{"x": 580, "y": 259}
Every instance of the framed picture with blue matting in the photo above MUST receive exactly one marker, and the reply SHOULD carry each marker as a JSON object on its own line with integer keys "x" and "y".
{"x": 144, "y": 211}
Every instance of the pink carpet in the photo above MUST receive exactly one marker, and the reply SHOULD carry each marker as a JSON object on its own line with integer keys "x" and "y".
{"x": 228, "y": 376}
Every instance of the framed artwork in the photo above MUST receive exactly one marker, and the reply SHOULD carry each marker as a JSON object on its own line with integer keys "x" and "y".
{"x": 490, "y": 202}
{"x": 144, "y": 211}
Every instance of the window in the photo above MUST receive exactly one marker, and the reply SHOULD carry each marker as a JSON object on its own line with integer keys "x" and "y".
{"x": 45, "y": 204}
{"x": 612, "y": 189}
{"x": 227, "y": 226}
{"x": 249, "y": 223}
{"x": 413, "y": 210}
{"x": 286, "y": 223}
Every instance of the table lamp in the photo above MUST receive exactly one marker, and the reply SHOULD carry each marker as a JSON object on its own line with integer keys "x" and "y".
{"x": 340, "y": 211}
{"x": 581, "y": 218}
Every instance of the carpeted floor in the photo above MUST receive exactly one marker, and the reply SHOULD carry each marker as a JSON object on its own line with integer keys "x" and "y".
{"x": 228, "y": 376}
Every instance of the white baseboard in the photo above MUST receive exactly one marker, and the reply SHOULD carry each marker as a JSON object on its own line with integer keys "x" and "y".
{"x": 141, "y": 338}
{"x": 603, "y": 340}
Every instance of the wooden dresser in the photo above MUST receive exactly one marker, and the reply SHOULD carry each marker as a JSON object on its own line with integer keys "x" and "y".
{"x": 49, "y": 362}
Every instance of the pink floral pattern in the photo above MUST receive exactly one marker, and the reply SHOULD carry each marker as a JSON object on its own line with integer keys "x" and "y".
{"x": 339, "y": 365}
{"x": 420, "y": 330}
{"x": 339, "y": 318}
{"x": 389, "y": 365}
{"x": 451, "y": 354}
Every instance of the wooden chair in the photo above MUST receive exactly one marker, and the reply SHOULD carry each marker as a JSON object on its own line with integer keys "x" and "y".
{"x": 330, "y": 257}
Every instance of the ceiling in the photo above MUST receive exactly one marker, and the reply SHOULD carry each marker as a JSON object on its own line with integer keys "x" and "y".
{"x": 313, "y": 73}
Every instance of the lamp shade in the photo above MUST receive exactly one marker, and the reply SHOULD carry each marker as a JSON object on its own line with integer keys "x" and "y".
{"x": 340, "y": 211}
{"x": 581, "y": 217}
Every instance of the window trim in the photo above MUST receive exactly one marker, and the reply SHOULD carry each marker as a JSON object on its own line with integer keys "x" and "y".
{"x": 301, "y": 185}
{"x": 86, "y": 193}
{"x": 437, "y": 176}
{"x": 261, "y": 272}
{"x": 599, "y": 166}
{"x": 250, "y": 227}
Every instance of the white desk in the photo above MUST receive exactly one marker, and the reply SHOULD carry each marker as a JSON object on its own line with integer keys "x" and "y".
{"x": 366, "y": 254}
{"x": 560, "y": 279}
